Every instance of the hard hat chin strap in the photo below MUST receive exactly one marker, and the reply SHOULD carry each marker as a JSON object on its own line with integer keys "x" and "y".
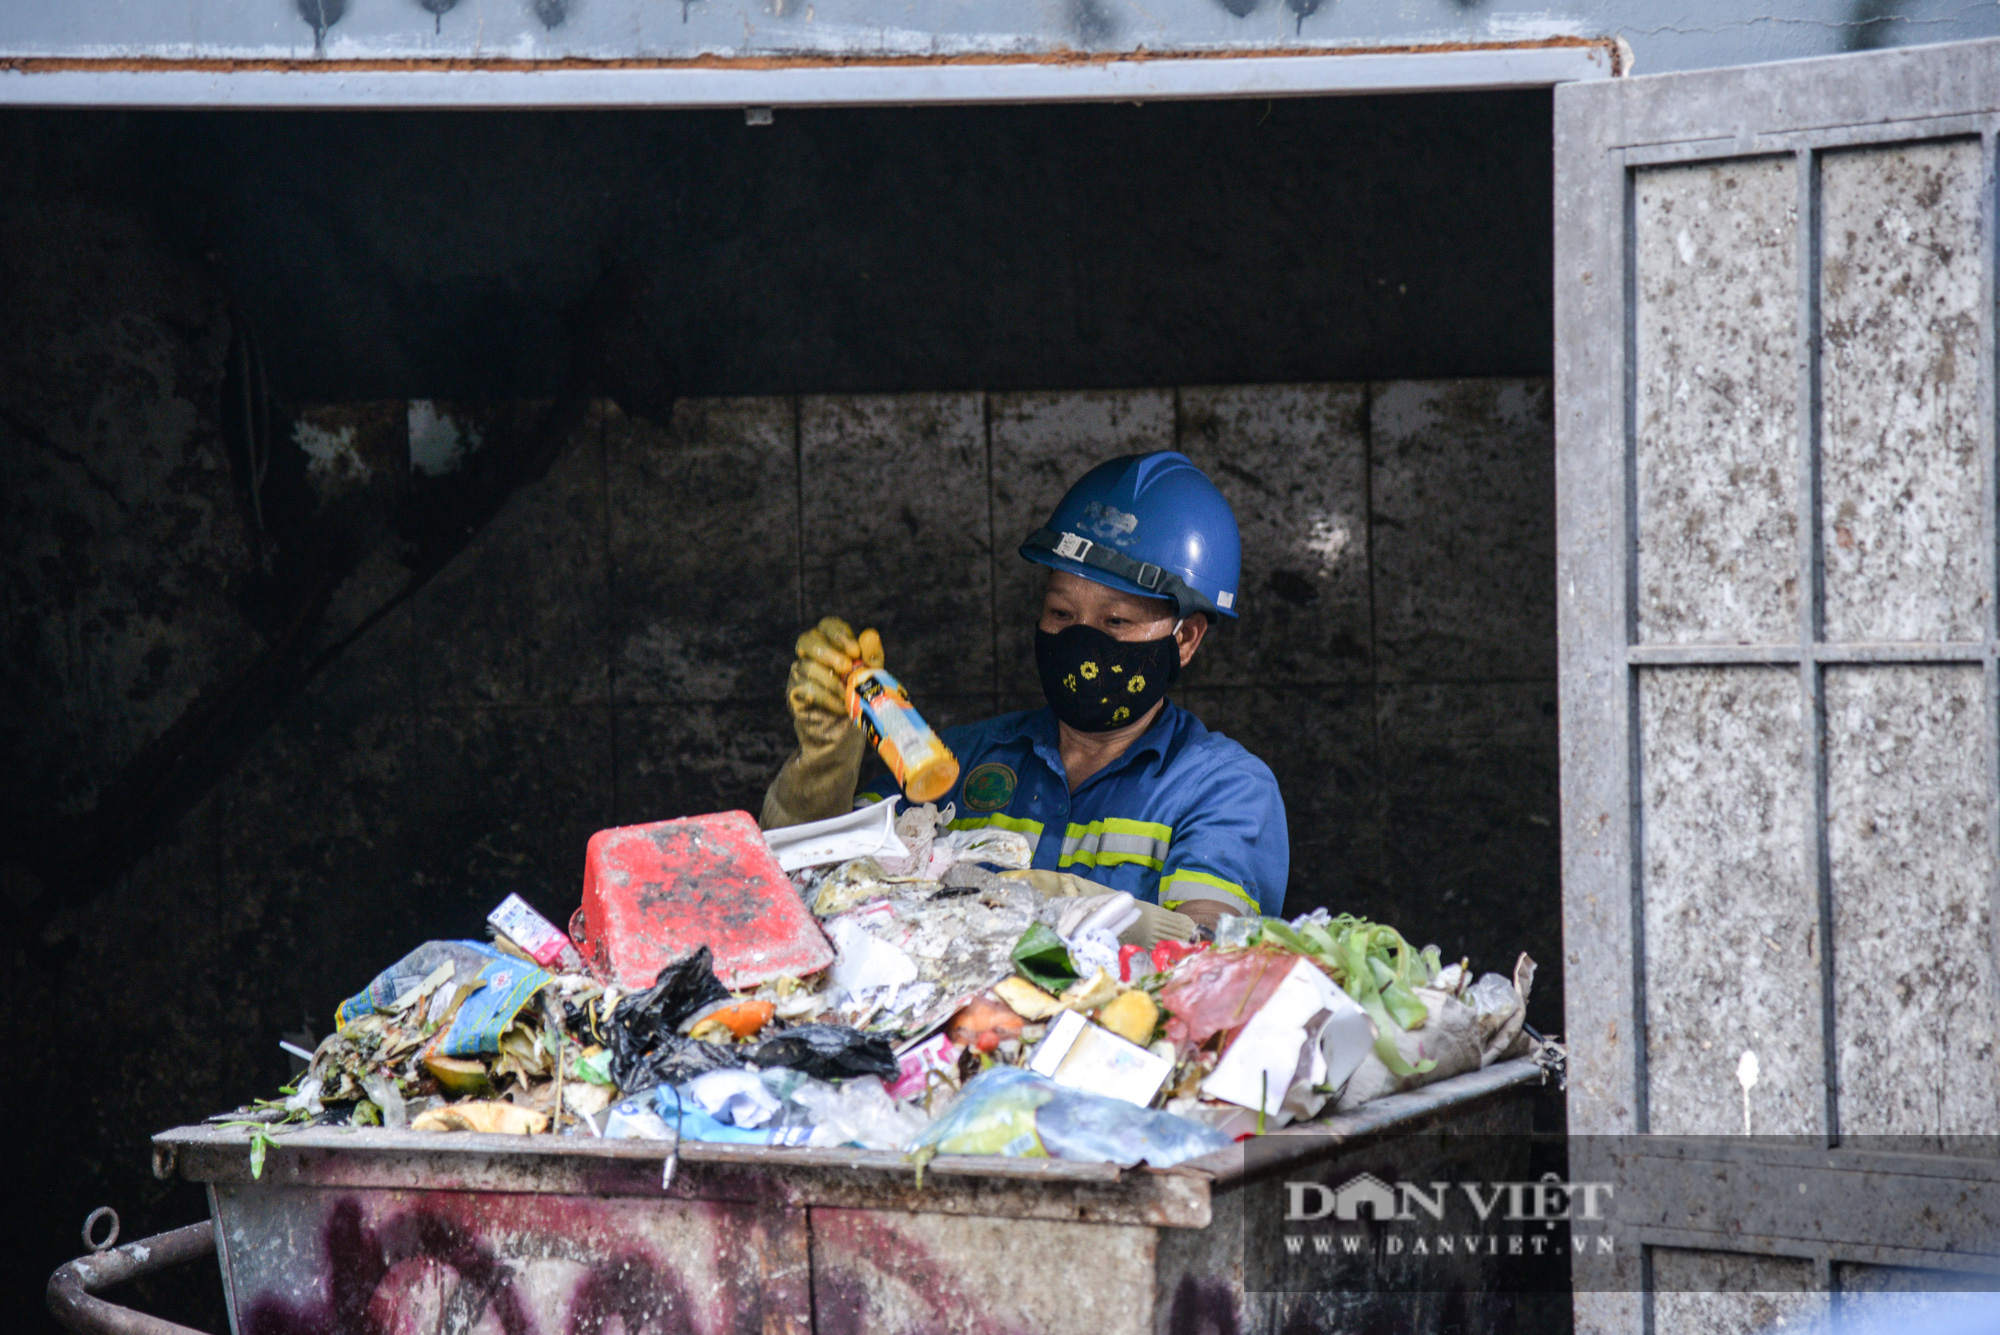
{"x": 1160, "y": 583}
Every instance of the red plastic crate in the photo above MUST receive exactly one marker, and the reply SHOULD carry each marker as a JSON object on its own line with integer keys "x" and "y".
{"x": 653, "y": 894}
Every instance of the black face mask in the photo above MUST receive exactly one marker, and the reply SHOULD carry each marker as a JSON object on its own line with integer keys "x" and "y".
{"x": 1096, "y": 683}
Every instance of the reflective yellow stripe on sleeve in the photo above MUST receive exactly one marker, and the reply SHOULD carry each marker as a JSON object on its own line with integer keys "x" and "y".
{"x": 1186, "y": 877}
{"x": 1114, "y": 841}
{"x": 1031, "y": 828}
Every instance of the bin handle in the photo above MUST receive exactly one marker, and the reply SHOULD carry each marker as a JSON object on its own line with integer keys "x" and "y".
{"x": 72, "y": 1287}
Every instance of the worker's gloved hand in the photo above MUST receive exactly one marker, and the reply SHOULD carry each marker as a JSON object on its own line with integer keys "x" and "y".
{"x": 1156, "y": 925}
{"x": 1112, "y": 911}
{"x": 1057, "y": 884}
{"x": 1153, "y": 925}
{"x": 818, "y": 780}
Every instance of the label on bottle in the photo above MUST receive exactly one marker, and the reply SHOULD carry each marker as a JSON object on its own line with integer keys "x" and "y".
{"x": 876, "y": 696}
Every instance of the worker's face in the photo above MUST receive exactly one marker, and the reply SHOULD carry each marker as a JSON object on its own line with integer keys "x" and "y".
{"x": 1071, "y": 600}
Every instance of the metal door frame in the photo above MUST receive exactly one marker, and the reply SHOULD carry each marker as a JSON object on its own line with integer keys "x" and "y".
{"x": 805, "y": 80}
{"x": 1604, "y": 134}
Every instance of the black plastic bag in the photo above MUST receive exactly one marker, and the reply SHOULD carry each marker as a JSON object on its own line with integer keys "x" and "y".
{"x": 674, "y": 1061}
{"x": 647, "y": 1047}
{"x": 826, "y": 1052}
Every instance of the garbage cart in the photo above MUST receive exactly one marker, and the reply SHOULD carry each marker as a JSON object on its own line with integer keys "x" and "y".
{"x": 369, "y": 1230}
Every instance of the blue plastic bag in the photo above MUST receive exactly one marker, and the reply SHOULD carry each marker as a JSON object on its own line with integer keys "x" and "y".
{"x": 1015, "y": 1113}
{"x": 500, "y": 986}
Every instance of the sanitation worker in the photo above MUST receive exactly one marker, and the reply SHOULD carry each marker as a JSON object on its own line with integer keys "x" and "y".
{"x": 1120, "y": 788}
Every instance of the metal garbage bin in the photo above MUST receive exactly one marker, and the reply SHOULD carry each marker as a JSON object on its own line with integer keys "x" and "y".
{"x": 368, "y": 1229}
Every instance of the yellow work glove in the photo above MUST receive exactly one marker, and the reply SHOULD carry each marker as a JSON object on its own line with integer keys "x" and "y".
{"x": 818, "y": 780}
{"x": 1155, "y": 923}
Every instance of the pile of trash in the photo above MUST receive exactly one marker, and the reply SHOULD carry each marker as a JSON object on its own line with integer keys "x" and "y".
{"x": 950, "y": 1007}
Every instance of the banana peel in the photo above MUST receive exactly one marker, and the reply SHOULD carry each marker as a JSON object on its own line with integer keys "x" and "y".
{"x": 1028, "y": 1001}
{"x": 458, "y": 1076}
{"x": 484, "y": 1115}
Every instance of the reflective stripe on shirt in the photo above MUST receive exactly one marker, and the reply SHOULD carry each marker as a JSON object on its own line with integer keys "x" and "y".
{"x": 1186, "y": 884}
{"x": 1111, "y": 841}
{"x": 1000, "y": 821}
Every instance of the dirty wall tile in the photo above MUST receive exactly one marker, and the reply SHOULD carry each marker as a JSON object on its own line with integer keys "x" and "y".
{"x": 1469, "y": 795}
{"x": 704, "y": 550}
{"x": 351, "y": 448}
{"x": 1730, "y": 1293}
{"x": 318, "y": 841}
{"x": 1319, "y": 743}
{"x": 1718, "y": 402}
{"x": 1292, "y": 461}
{"x": 1731, "y": 906}
{"x": 896, "y": 534}
{"x": 1899, "y": 308}
{"x": 1464, "y": 501}
{"x": 141, "y": 960}
{"x": 684, "y": 760}
{"x": 1914, "y": 984}
{"x": 506, "y": 801}
{"x": 521, "y": 615}
{"x": 1042, "y": 443}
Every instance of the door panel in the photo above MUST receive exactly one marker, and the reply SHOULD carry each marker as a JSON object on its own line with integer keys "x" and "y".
{"x": 1900, "y": 275}
{"x": 1717, "y": 336}
{"x": 1781, "y": 749}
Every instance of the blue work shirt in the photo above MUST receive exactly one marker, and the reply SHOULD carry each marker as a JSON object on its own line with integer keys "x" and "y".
{"x": 1184, "y": 814}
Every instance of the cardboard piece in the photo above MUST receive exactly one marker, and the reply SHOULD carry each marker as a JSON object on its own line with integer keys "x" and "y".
{"x": 1080, "y": 1055}
{"x": 1306, "y": 1039}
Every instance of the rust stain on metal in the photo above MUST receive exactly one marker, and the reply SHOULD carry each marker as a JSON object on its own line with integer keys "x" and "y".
{"x": 507, "y": 65}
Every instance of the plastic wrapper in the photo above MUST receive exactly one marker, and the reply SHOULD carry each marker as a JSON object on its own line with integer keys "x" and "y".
{"x": 1008, "y": 1111}
{"x": 825, "y": 1052}
{"x": 1008, "y": 850}
{"x": 1446, "y": 1044}
{"x": 1218, "y": 991}
{"x": 858, "y": 1112}
{"x": 917, "y": 828}
{"x": 492, "y": 984}
{"x": 957, "y": 940}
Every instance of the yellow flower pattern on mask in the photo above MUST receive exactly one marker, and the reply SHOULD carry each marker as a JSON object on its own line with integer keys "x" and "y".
{"x": 1069, "y": 683}
{"x": 1089, "y": 671}
{"x": 1120, "y": 714}
{"x": 1137, "y": 684}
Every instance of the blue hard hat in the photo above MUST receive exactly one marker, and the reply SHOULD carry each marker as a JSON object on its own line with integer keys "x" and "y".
{"x": 1150, "y": 524}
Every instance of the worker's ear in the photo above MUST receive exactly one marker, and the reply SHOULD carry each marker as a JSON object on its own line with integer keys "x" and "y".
{"x": 1189, "y": 634}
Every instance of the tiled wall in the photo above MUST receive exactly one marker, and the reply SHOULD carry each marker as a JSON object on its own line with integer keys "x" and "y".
{"x": 612, "y": 649}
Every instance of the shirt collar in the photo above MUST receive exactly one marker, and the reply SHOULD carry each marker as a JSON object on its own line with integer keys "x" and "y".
{"x": 1039, "y": 728}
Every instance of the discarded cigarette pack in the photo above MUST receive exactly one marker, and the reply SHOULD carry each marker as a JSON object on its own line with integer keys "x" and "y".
{"x": 545, "y": 943}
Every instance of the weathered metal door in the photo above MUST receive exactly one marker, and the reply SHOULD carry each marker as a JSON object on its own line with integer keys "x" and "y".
{"x": 1775, "y": 438}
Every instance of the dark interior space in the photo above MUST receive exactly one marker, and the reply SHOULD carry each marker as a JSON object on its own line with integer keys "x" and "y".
{"x": 392, "y": 500}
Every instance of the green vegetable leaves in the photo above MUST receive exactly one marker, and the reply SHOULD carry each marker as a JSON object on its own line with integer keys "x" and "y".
{"x": 1374, "y": 965}
{"x": 1043, "y": 959}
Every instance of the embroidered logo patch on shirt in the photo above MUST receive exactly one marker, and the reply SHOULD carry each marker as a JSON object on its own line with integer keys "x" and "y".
{"x": 990, "y": 786}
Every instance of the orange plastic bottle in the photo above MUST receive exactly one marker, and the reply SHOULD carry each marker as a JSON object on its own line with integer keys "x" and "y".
{"x": 914, "y": 753}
